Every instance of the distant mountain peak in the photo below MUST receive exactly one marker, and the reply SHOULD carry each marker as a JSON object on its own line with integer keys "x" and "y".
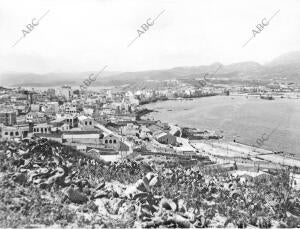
{"x": 287, "y": 59}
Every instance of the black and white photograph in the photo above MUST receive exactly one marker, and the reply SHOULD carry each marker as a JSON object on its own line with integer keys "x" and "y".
{"x": 149, "y": 114}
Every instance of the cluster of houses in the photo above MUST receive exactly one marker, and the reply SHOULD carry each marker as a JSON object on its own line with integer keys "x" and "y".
{"x": 97, "y": 123}
{"x": 79, "y": 131}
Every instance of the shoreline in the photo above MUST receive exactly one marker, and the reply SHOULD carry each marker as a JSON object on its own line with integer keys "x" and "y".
{"x": 234, "y": 152}
{"x": 253, "y": 153}
{"x": 228, "y": 133}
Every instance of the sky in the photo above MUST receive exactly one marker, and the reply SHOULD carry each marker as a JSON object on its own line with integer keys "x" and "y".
{"x": 78, "y": 36}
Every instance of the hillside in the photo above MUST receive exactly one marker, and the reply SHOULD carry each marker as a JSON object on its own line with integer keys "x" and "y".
{"x": 43, "y": 183}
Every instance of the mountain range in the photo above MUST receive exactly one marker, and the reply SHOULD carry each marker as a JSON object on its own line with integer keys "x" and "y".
{"x": 283, "y": 68}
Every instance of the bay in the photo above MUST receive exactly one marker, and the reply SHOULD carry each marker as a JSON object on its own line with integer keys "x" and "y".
{"x": 243, "y": 118}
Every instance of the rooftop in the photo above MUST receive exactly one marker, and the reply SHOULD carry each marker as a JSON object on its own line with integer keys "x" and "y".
{"x": 53, "y": 135}
{"x": 83, "y": 132}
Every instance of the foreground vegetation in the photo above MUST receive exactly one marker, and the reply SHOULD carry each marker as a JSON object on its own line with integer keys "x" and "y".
{"x": 45, "y": 183}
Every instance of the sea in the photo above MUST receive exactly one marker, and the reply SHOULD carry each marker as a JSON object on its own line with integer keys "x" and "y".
{"x": 242, "y": 118}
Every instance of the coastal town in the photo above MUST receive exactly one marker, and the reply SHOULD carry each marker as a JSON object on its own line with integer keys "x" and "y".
{"x": 109, "y": 130}
{"x": 112, "y": 121}
{"x": 149, "y": 114}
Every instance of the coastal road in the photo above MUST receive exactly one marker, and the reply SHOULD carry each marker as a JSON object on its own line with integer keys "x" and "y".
{"x": 237, "y": 150}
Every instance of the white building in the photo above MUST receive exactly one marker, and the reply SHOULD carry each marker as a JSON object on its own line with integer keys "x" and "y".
{"x": 88, "y": 111}
{"x": 51, "y": 107}
{"x": 130, "y": 129}
{"x": 81, "y": 148}
{"x": 11, "y": 132}
{"x": 82, "y": 137}
{"x": 131, "y": 98}
{"x": 60, "y": 126}
{"x": 66, "y": 91}
{"x": 85, "y": 123}
{"x": 35, "y": 107}
{"x": 43, "y": 128}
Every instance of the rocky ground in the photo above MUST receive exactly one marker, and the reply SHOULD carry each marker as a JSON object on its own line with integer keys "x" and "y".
{"x": 43, "y": 183}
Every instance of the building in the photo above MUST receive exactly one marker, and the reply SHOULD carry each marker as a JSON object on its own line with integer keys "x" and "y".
{"x": 51, "y": 107}
{"x": 35, "y": 107}
{"x": 94, "y": 152}
{"x": 81, "y": 148}
{"x": 70, "y": 110}
{"x": 51, "y": 136}
{"x": 125, "y": 117}
{"x": 111, "y": 141}
{"x": 86, "y": 123}
{"x": 36, "y": 117}
{"x": 42, "y": 128}
{"x": 165, "y": 138}
{"x": 88, "y": 111}
{"x": 103, "y": 154}
{"x": 82, "y": 137}
{"x": 51, "y": 92}
{"x": 60, "y": 126}
{"x": 66, "y": 92}
{"x": 21, "y": 119}
{"x": 144, "y": 132}
{"x": 21, "y": 109}
{"x": 132, "y": 99}
{"x": 8, "y": 118}
{"x": 130, "y": 129}
{"x": 72, "y": 120}
{"x": 124, "y": 149}
{"x": 17, "y": 131}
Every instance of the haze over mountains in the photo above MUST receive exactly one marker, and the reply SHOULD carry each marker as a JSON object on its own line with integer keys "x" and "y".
{"x": 285, "y": 67}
